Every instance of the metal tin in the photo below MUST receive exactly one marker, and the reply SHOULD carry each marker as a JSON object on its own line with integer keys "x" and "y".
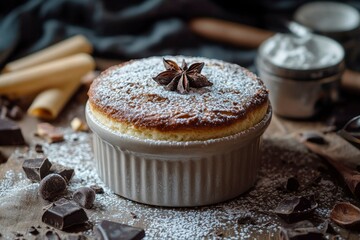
{"x": 301, "y": 93}
{"x": 336, "y": 20}
{"x": 333, "y": 19}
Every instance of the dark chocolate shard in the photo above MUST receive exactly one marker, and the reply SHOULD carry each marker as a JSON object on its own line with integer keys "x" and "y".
{"x": 10, "y": 133}
{"x": 292, "y": 184}
{"x": 108, "y": 230}
{"x": 52, "y": 186}
{"x": 296, "y": 208}
{"x": 66, "y": 172}
{"x": 97, "y": 189}
{"x": 246, "y": 220}
{"x": 64, "y": 215}
{"x": 38, "y": 148}
{"x": 36, "y": 169}
{"x": 84, "y": 196}
{"x": 52, "y": 235}
{"x": 33, "y": 231}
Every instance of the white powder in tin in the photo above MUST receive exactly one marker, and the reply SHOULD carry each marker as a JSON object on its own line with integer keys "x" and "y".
{"x": 308, "y": 52}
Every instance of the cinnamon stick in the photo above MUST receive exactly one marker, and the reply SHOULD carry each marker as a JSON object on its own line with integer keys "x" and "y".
{"x": 342, "y": 156}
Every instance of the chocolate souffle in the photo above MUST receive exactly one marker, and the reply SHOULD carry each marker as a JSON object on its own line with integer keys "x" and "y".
{"x": 176, "y": 130}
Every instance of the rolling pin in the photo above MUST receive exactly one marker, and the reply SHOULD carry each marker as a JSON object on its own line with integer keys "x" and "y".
{"x": 46, "y": 75}
{"x": 70, "y": 46}
{"x": 251, "y": 37}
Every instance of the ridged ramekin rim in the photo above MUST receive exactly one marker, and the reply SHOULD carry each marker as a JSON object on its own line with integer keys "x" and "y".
{"x": 254, "y": 131}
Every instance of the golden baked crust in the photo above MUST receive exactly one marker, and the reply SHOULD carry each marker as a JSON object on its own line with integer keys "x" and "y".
{"x": 127, "y": 100}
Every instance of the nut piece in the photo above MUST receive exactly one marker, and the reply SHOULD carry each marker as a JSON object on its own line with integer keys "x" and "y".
{"x": 78, "y": 125}
{"x": 85, "y": 197}
{"x": 49, "y": 132}
{"x": 52, "y": 186}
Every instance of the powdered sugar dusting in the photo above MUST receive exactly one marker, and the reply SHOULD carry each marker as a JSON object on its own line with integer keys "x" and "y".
{"x": 280, "y": 159}
{"x": 130, "y": 92}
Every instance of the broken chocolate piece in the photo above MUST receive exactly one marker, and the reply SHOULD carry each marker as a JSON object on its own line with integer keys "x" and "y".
{"x": 66, "y": 172}
{"x": 52, "y": 186}
{"x": 52, "y": 235}
{"x": 49, "y": 132}
{"x": 33, "y": 231}
{"x": 38, "y": 148}
{"x": 314, "y": 137}
{"x": 36, "y": 169}
{"x": 108, "y": 230}
{"x": 10, "y": 133}
{"x": 292, "y": 184}
{"x": 295, "y": 208}
{"x": 134, "y": 216}
{"x": 64, "y": 215}
{"x": 85, "y": 197}
{"x": 246, "y": 220}
{"x": 97, "y": 189}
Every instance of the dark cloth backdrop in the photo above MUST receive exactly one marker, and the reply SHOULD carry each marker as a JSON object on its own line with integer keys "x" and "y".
{"x": 128, "y": 29}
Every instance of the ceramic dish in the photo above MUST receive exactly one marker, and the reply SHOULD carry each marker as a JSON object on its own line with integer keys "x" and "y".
{"x": 177, "y": 174}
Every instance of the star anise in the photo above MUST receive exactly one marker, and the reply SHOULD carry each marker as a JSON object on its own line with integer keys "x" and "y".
{"x": 182, "y": 78}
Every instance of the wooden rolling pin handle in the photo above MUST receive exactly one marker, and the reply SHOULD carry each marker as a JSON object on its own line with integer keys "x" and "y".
{"x": 351, "y": 80}
{"x": 229, "y": 32}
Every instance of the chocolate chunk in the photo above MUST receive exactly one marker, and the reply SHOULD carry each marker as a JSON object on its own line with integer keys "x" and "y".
{"x": 84, "y": 196}
{"x": 134, "y": 216}
{"x": 76, "y": 237}
{"x": 66, "y": 172}
{"x": 33, "y": 231}
{"x": 97, "y": 189}
{"x": 296, "y": 208}
{"x": 52, "y": 186}
{"x": 49, "y": 132}
{"x": 10, "y": 133}
{"x": 15, "y": 113}
{"x": 37, "y": 168}
{"x": 292, "y": 184}
{"x": 52, "y": 235}
{"x": 108, "y": 230}
{"x": 38, "y": 148}
{"x": 64, "y": 215}
{"x": 246, "y": 220}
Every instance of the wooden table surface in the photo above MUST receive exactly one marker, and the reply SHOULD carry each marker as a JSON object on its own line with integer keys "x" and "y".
{"x": 282, "y": 156}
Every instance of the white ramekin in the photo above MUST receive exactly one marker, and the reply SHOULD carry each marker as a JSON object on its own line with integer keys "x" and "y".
{"x": 177, "y": 174}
